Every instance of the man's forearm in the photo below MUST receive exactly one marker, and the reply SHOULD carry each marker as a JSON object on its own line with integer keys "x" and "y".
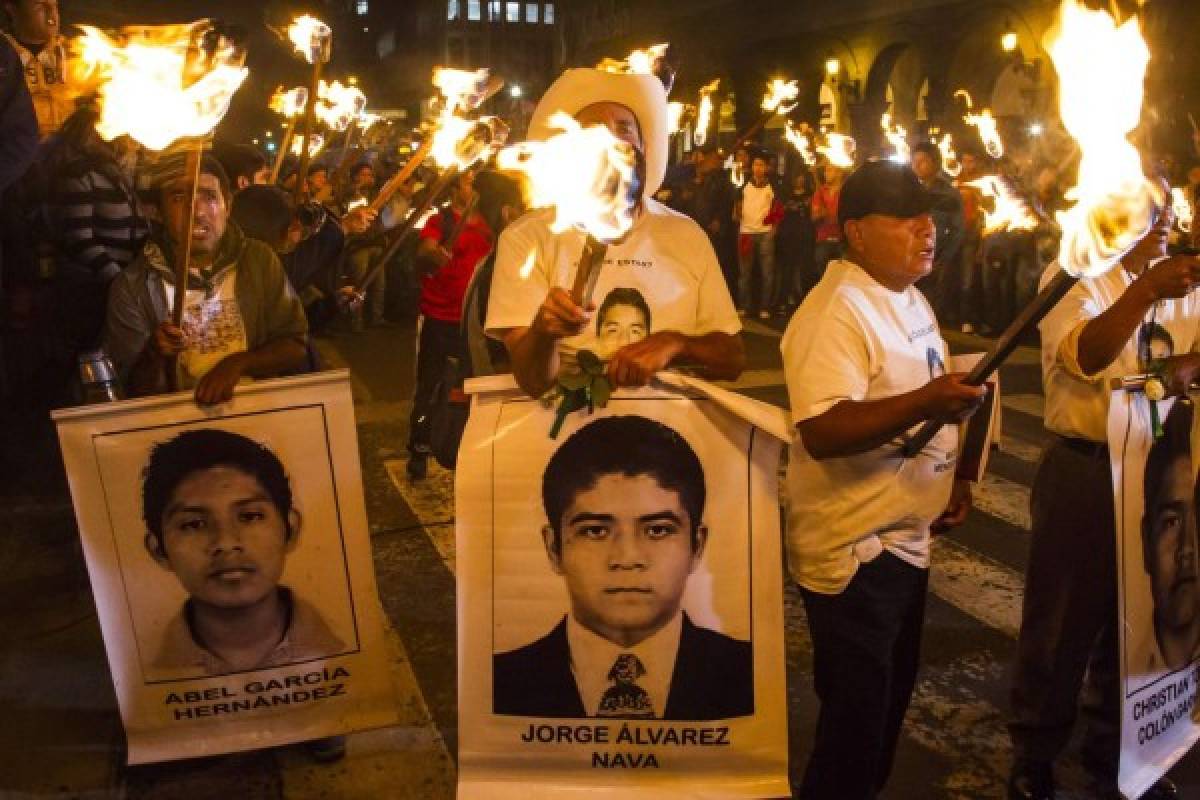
{"x": 855, "y": 427}
{"x": 277, "y": 357}
{"x": 722, "y": 356}
{"x": 1103, "y": 338}
{"x": 534, "y": 359}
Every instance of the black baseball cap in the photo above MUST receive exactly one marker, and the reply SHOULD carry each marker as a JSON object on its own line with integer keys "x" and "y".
{"x": 882, "y": 187}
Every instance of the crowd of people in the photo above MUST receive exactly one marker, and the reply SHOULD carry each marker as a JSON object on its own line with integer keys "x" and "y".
{"x": 772, "y": 219}
{"x": 93, "y": 229}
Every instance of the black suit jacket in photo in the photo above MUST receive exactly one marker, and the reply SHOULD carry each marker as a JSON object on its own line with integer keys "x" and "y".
{"x": 713, "y": 678}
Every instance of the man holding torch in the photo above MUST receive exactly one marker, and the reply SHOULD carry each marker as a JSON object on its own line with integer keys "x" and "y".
{"x": 1103, "y": 328}
{"x": 241, "y": 318}
{"x": 865, "y": 363}
{"x": 665, "y": 256}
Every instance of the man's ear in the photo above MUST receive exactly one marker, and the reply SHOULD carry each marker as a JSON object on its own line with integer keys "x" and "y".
{"x": 701, "y": 539}
{"x": 295, "y": 523}
{"x": 154, "y": 547}
{"x": 552, "y": 552}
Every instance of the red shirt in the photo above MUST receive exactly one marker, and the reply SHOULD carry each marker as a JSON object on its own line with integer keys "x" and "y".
{"x": 442, "y": 292}
{"x": 827, "y": 199}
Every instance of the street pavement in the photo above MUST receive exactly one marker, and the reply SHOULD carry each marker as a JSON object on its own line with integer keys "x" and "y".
{"x": 63, "y": 738}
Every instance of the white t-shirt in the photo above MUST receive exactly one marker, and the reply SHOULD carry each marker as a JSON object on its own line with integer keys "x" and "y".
{"x": 756, "y": 204}
{"x": 1077, "y": 404}
{"x": 213, "y": 325}
{"x": 666, "y": 258}
{"x": 854, "y": 339}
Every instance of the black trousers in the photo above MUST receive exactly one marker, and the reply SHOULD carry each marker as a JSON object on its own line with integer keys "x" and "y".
{"x": 1069, "y": 616}
{"x": 438, "y": 342}
{"x": 866, "y": 647}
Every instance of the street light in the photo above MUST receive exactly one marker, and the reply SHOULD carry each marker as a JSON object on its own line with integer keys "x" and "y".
{"x": 515, "y": 91}
{"x": 833, "y": 67}
{"x": 1009, "y": 41}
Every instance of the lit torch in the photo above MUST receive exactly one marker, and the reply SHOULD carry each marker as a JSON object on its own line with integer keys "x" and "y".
{"x": 897, "y": 137}
{"x": 1101, "y": 68}
{"x": 780, "y": 98}
{"x": 1183, "y": 209}
{"x": 704, "y": 112}
{"x": 312, "y": 39}
{"x": 950, "y": 162}
{"x": 1009, "y": 211}
{"x": 839, "y": 149}
{"x": 587, "y": 176}
{"x": 315, "y": 144}
{"x": 985, "y": 123}
{"x": 455, "y": 145}
{"x": 159, "y": 85}
{"x": 291, "y": 106}
{"x": 676, "y": 111}
{"x": 801, "y": 142}
{"x": 639, "y": 62}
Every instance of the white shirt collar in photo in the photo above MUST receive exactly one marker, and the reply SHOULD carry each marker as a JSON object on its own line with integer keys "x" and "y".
{"x": 593, "y": 656}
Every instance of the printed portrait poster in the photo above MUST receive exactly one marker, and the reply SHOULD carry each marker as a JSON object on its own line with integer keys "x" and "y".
{"x": 620, "y": 597}
{"x": 229, "y": 557}
{"x": 1155, "y": 493}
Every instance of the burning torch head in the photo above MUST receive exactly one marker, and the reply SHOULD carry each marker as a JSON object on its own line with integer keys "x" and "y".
{"x": 642, "y": 94}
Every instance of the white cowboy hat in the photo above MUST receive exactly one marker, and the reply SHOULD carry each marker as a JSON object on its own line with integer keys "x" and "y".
{"x": 644, "y": 95}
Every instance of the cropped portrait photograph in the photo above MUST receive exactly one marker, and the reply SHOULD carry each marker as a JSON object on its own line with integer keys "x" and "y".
{"x": 230, "y": 545}
{"x": 636, "y": 600}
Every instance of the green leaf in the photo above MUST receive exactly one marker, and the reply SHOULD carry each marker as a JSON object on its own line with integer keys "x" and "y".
{"x": 589, "y": 362}
{"x": 573, "y": 381}
{"x": 601, "y": 391}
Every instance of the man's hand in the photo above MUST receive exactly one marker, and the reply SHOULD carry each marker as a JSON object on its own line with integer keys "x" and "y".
{"x": 956, "y": 511}
{"x": 560, "y": 316}
{"x": 1180, "y": 372}
{"x": 217, "y": 384}
{"x": 1172, "y": 277}
{"x": 349, "y": 299}
{"x": 168, "y": 340}
{"x": 948, "y": 400}
{"x": 635, "y": 364}
{"x": 357, "y": 220}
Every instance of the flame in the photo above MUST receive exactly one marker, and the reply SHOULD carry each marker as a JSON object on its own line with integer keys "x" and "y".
{"x": 459, "y": 141}
{"x": 527, "y": 267}
{"x": 338, "y": 105}
{"x": 585, "y": 174}
{"x": 1010, "y": 211}
{"x": 950, "y": 161}
{"x": 1101, "y": 67}
{"x": 704, "y": 115}
{"x": 639, "y": 62}
{"x": 781, "y": 96}
{"x": 985, "y": 123}
{"x": 966, "y": 96}
{"x": 1183, "y": 209}
{"x": 289, "y": 104}
{"x": 157, "y": 83}
{"x": 839, "y": 149}
{"x": 310, "y": 36}
{"x": 366, "y": 119}
{"x": 315, "y": 143}
{"x": 897, "y": 137}
{"x": 675, "y": 113}
{"x": 462, "y": 90}
{"x": 801, "y": 142}
{"x": 356, "y": 203}
{"x": 737, "y": 175}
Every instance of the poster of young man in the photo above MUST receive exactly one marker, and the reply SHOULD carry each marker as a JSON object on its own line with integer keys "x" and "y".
{"x": 229, "y": 557}
{"x": 620, "y": 599}
{"x": 1154, "y": 480}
